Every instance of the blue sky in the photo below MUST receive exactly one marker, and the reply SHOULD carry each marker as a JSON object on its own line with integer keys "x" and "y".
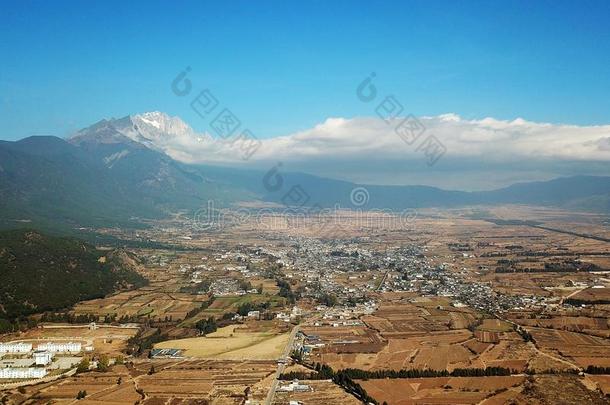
{"x": 285, "y": 66}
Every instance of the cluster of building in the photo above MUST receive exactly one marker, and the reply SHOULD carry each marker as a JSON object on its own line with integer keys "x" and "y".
{"x": 321, "y": 264}
{"x": 25, "y": 362}
{"x": 229, "y": 286}
{"x": 292, "y": 315}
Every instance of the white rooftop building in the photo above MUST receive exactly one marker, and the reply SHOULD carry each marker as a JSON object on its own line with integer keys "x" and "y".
{"x": 15, "y": 347}
{"x": 42, "y": 358}
{"x": 294, "y": 386}
{"x": 22, "y": 373}
{"x": 69, "y": 347}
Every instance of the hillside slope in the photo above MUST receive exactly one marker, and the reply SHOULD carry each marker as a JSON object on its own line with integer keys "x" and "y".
{"x": 41, "y": 273}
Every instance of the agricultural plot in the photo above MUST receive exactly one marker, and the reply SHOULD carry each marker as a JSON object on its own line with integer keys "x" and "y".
{"x": 593, "y": 295}
{"x": 584, "y": 349}
{"x": 510, "y": 353}
{"x": 231, "y": 342}
{"x": 597, "y": 326}
{"x": 223, "y": 305}
{"x": 425, "y": 314}
{"x": 495, "y": 325}
{"x": 438, "y": 350}
{"x": 222, "y": 382}
{"x": 441, "y": 390}
{"x": 408, "y": 332}
{"x": 602, "y": 382}
{"x": 145, "y": 302}
{"x": 346, "y": 339}
{"x": 113, "y": 387}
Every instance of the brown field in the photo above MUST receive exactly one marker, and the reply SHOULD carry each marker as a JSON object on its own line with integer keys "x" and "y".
{"x": 347, "y": 339}
{"x": 176, "y": 382}
{"x": 602, "y": 382}
{"x": 583, "y": 349}
{"x": 495, "y": 325}
{"x": 406, "y": 331}
{"x": 142, "y": 302}
{"x": 598, "y": 326}
{"x": 423, "y": 314}
{"x": 219, "y": 381}
{"x": 438, "y": 350}
{"x": 441, "y": 390}
{"x": 100, "y": 387}
{"x": 593, "y": 294}
{"x": 232, "y": 342}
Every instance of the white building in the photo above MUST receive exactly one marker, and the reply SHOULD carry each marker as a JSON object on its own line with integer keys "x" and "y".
{"x": 42, "y": 358}
{"x": 69, "y": 347}
{"x": 294, "y": 386}
{"x": 15, "y": 347}
{"x": 20, "y": 373}
{"x": 17, "y": 363}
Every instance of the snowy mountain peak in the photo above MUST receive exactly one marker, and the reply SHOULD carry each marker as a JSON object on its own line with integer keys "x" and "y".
{"x": 157, "y": 124}
{"x": 154, "y": 129}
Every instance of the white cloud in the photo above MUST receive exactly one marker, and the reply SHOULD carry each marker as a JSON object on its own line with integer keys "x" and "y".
{"x": 485, "y": 153}
{"x": 342, "y": 138}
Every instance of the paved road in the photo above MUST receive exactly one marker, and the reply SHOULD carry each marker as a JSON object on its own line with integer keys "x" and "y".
{"x": 385, "y": 276}
{"x": 281, "y": 366}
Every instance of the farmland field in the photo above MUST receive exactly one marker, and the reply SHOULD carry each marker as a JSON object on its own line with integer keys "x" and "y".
{"x": 231, "y": 343}
{"x": 441, "y": 390}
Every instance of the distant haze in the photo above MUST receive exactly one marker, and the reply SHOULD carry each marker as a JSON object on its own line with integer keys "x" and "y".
{"x": 480, "y": 154}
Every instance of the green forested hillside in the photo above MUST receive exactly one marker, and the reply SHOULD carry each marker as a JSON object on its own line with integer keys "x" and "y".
{"x": 42, "y": 273}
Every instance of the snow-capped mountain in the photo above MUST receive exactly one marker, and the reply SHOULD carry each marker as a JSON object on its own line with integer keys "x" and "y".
{"x": 155, "y": 130}
{"x": 159, "y": 132}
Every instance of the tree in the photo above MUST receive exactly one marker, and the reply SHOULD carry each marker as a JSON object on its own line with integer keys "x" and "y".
{"x": 206, "y": 326}
{"x": 83, "y": 365}
{"x": 102, "y": 363}
{"x": 329, "y": 300}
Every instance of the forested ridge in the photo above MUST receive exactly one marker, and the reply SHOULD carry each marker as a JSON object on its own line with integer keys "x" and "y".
{"x": 44, "y": 273}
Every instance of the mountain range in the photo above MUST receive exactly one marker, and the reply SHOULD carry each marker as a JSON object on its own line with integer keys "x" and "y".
{"x": 116, "y": 172}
